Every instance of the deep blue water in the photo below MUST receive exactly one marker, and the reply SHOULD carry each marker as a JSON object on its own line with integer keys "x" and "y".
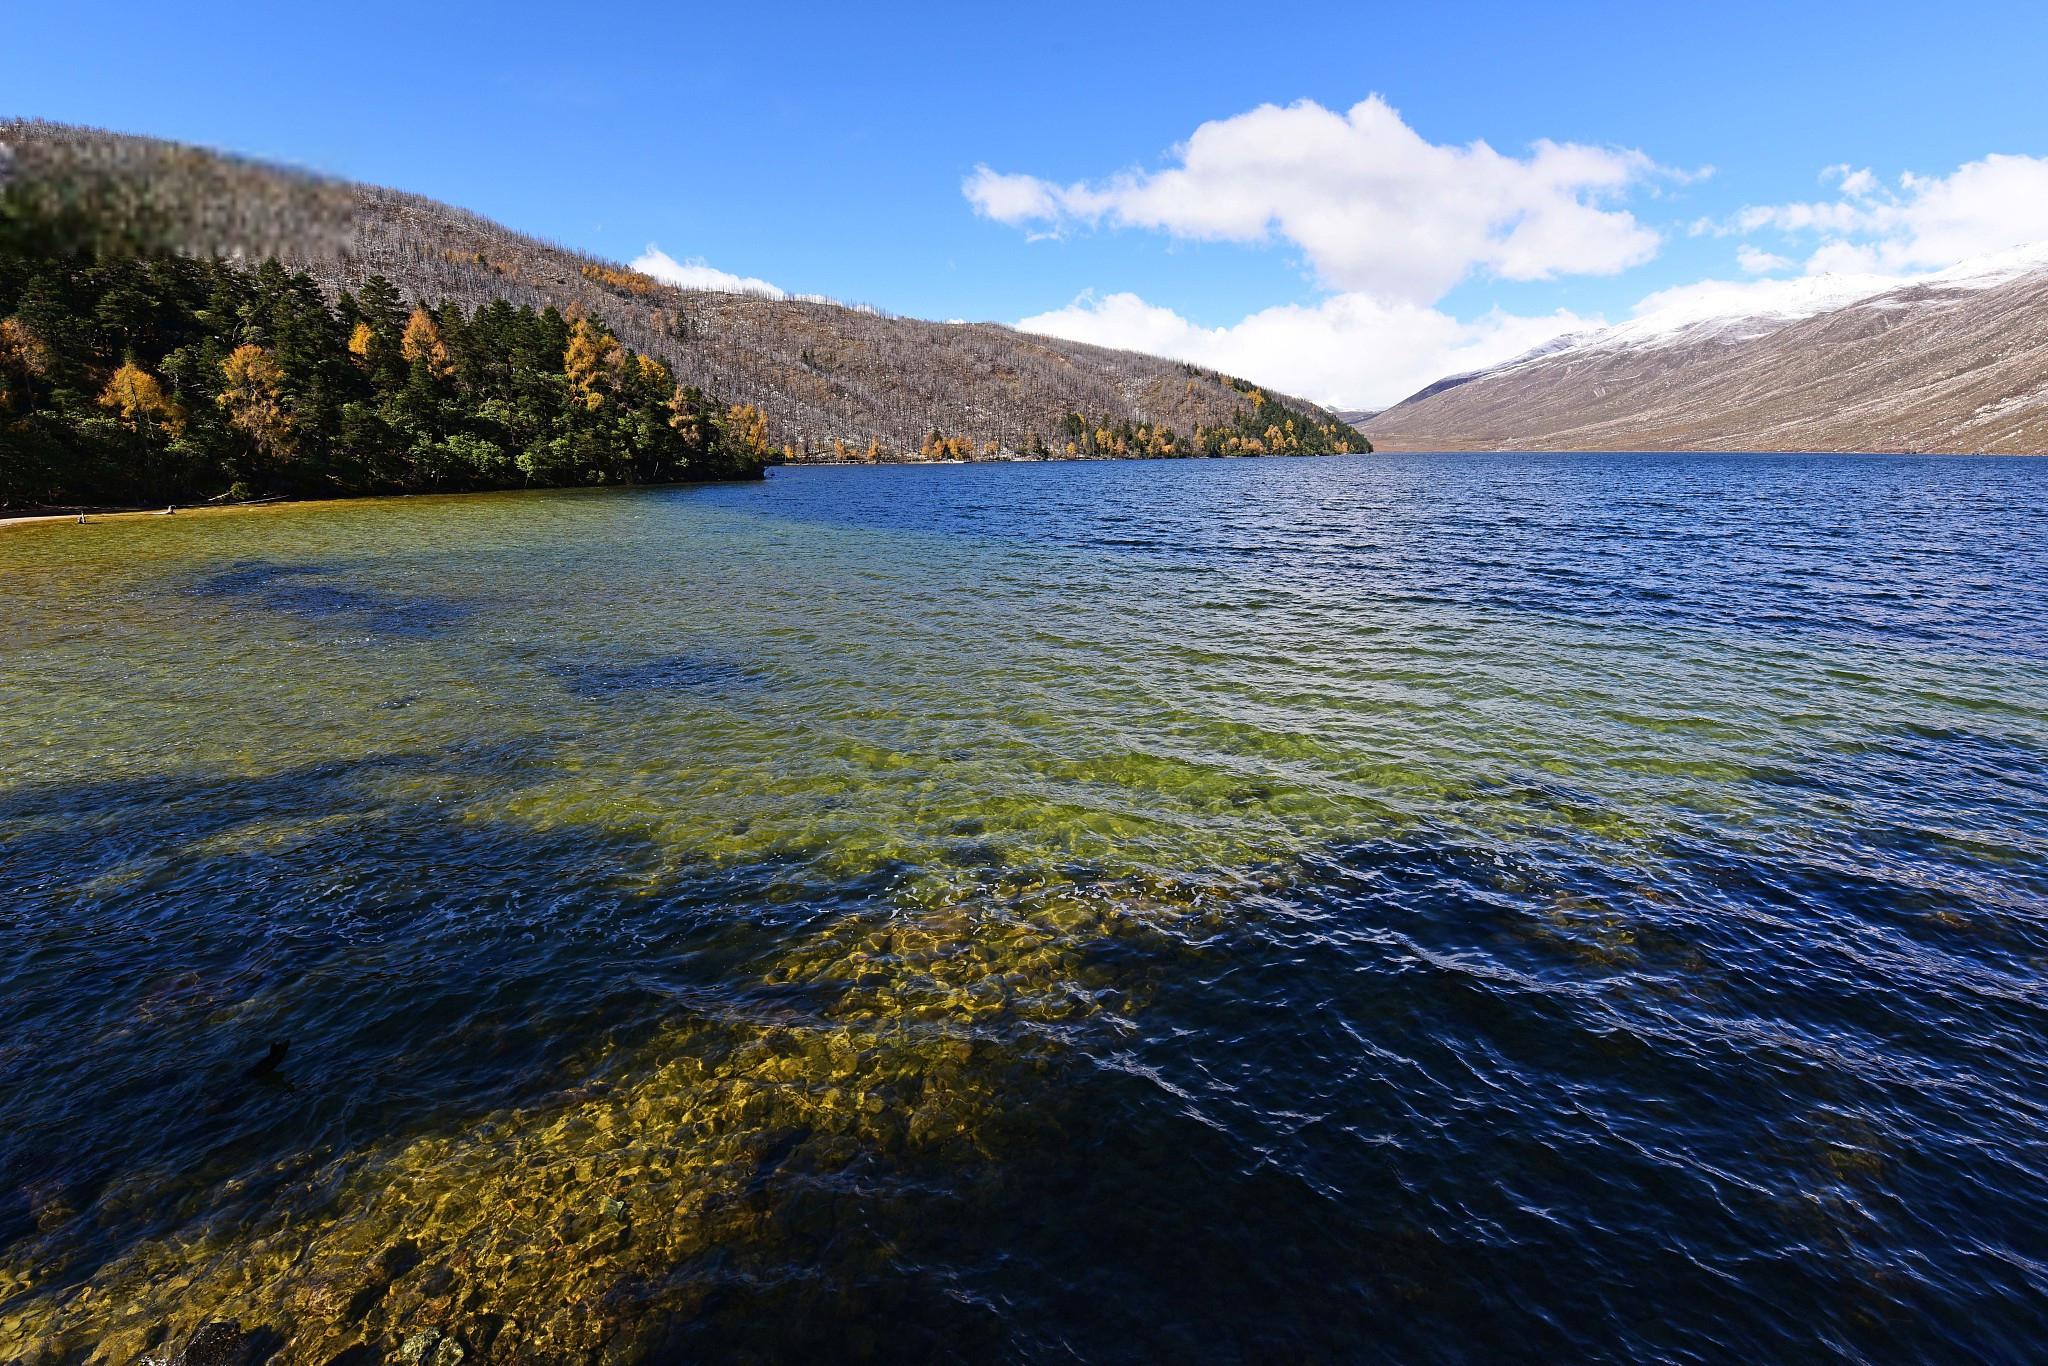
{"x": 1419, "y": 908}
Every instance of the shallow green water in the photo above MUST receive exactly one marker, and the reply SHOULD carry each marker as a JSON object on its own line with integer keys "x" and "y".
{"x": 1415, "y": 906}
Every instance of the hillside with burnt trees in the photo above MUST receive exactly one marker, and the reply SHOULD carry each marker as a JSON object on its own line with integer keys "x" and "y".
{"x": 830, "y": 381}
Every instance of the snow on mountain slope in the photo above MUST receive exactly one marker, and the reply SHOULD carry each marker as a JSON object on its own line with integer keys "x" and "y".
{"x": 1744, "y": 308}
{"x": 1751, "y": 308}
{"x": 1956, "y": 360}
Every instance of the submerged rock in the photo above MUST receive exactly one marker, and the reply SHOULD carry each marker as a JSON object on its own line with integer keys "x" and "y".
{"x": 431, "y": 1347}
{"x": 267, "y": 1065}
{"x": 220, "y": 1342}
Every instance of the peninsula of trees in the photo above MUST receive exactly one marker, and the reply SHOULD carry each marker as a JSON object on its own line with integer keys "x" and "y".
{"x": 179, "y": 325}
{"x": 135, "y": 376}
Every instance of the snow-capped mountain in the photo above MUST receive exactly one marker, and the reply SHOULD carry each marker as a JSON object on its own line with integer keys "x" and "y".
{"x": 1956, "y": 360}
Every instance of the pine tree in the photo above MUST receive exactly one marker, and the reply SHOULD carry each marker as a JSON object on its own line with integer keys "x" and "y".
{"x": 378, "y": 304}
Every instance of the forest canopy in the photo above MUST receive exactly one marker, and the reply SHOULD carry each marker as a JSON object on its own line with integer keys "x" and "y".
{"x": 132, "y": 375}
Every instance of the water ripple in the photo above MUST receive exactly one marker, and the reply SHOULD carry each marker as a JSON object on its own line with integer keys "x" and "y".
{"x": 1405, "y": 908}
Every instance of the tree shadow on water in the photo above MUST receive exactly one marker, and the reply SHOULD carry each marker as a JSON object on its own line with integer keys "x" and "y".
{"x": 322, "y": 593}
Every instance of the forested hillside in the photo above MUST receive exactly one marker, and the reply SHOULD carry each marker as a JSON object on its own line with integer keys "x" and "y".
{"x": 132, "y": 374}
{"x": 830, "y": 381}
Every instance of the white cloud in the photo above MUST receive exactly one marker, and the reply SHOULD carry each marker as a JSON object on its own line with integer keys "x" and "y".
{"x": 1923, "y": 223}
{"x": 1391, "y": 222}
{"x": 1376, "y": 208}
{"x": 696, "y": 274}
{"x": 1348, "y": 350}
{"x": 1757, "y": 261}
{"x": 1011, "y": 198}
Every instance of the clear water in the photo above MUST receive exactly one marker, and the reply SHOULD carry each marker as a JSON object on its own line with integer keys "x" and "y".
{"x": 1407, "y": 907}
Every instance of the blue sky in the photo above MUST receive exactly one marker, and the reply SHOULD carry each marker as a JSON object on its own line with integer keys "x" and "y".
{"x": 825, "y": 149}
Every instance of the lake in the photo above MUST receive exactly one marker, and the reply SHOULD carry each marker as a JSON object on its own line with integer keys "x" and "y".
{"x": 1444, "y": 908}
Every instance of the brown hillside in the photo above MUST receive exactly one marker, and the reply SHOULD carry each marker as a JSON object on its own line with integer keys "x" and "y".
{"x": 1934, "y": 367}
{"x": 823, "y": 371}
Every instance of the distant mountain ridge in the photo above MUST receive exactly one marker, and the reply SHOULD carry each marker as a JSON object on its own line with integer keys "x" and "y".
{"x": 832, "y": 379}
{"x": 1955, "y": 362}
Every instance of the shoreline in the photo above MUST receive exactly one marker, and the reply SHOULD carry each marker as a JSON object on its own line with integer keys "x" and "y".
{"x": 92, "y": 515}
{"x": 96, "y": 514}
{"x": 212, "y": 509}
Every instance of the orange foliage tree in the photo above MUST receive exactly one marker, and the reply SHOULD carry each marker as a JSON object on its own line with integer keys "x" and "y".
{"x": 591, "y": 361}
{"x": 254, "y": 400}
{"x": 422, "y": 344}
{"x": 135, "y": 394}
{"x": 747, "y": 426}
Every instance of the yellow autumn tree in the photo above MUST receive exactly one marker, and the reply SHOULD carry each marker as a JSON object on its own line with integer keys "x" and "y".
{"x": 590, "y": 360}
{"x": 22, "y": 357}
{"x": 682, "y": 418}
{"x": 747, "y": 425}
{"x": 142, "y": 403}
{"x": 632, "y": 281}
{"x": 254, "y": 399}
{"x": 21, "y": 349}
{"x": 361, "y": 342}
{"x": 422, "y": 344}
{"x": 939, "y": 446}
{"x": 873, "y": 454}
